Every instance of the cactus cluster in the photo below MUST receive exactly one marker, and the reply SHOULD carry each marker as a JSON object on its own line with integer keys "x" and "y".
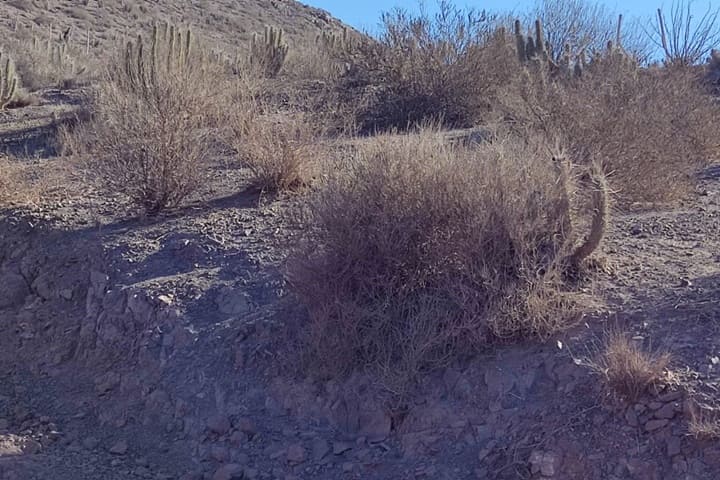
{"x": 8, "y": 81}
{"x": 332, "y": 41}
{"x": 535, "y": 50}
{"x": 529, "y": 48}
{"x": 57, "y": 52}
{"x": 169, "y": 52}
{"x": 268, "y": 53}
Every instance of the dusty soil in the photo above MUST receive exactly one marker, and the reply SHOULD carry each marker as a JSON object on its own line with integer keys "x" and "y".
{"x": 134, "y": 348}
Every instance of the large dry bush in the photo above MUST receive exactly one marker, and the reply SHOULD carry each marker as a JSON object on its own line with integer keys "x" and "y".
{"x": 150, "y": 136}
{"x": 442, "y": 67}
{"x": 651, "y": 128}
{"x": 417, "y": 251}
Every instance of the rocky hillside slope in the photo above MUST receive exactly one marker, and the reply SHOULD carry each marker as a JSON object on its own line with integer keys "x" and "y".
{"x": 224, "y": 23}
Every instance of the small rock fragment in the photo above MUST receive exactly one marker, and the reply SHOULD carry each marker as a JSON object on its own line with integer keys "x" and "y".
{"x": 320, "y": 448}
{"x": 296, "y": 454}
{"x": 341, "y": 447}
{"x": 219, "y": 453}
{"x": 231, "y": 471}
{"x": 90, "y": 443}
{"x": 247, "y": 426}
{"x": 666, "y": 412}
{"x": 120, "y": 448}
{"x": 673, "y": 446}
{"x": 653, "y": 425}
{"x": 219, "y": 424}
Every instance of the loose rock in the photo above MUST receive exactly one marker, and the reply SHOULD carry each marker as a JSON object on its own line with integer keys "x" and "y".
{"x": 320, "y": 448}
{"x": 219, "y": 424}
{"x": 666, "y": 412}
{"x": 15, "y": 289}
{"x": 231, "y": 471}
{"x": 653, "y": 425}
{"x": 120, "y": 448}
{"x": 296, "y": 454}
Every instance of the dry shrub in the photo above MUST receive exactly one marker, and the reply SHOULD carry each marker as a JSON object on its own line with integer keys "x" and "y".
{"x": 280, "y": 150}
{"x": 652, "y": 129}
{"x": 627, "y": 369}
{"x": 418, "y": 251}
{"x": 442, "y": 67}
{"x": 150, "y": 135}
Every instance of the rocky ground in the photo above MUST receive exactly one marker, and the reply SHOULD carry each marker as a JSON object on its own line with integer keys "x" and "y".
{"x": 161, "y": 349}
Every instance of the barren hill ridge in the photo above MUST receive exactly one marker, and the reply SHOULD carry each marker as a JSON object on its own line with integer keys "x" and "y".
{"x": 228, "y": 23}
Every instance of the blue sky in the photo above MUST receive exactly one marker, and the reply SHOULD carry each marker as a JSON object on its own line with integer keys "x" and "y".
{"x": 364, "y": 14}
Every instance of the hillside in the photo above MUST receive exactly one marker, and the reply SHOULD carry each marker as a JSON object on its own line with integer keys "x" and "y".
{"x": 439, "y": 255}
{"x": 227, "y": 23}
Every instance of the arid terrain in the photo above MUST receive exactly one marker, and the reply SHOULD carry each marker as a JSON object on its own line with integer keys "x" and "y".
{"x": 524, "y": 288}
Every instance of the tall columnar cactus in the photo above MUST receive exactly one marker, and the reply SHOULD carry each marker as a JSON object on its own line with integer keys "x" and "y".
{"x": 169, "y": 54}
{"x": 531, "y": 48}
{"x": 334, "y": 42}
{"x": 8, "y": 81}
{"x": 269, "y": 52}
{"x": 595, "y": 180}
{"x": 541, "y": 47}
{"x": 520, "y": 42}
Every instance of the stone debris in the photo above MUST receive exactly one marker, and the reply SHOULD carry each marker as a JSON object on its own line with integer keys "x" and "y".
{"x": 119, "y": 448}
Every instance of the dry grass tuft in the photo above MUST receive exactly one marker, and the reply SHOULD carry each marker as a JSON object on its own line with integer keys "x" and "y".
{"x": 280, "y": 150}
{"x": 704, "y": 425}
{"x": 417, "y": 251}
{"x": 627, "y": 369}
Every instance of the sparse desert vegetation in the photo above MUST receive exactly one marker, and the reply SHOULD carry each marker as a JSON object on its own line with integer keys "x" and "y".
{"x": 239, "y": 239}
{"x": 628, "y": 369}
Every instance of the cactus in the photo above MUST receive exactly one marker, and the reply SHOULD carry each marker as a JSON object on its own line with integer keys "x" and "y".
{"x": 169, "y": 52}
{"x": 8, "y": 81}
{"x": 269, "y": 52}
{"x": 596, "y": 180}
{"x": 520, "y": 42}
{"x": 540, "y": 45}
{"x": 531, "y": 48}
{"x": 334, "y": 42}
{"x": 598, "y": 225}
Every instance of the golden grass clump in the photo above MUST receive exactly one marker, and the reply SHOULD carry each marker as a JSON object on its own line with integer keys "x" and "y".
{"x": 280, "y": 150}
{"x": 704, "y": 425}
{"x": 627, "y": 369}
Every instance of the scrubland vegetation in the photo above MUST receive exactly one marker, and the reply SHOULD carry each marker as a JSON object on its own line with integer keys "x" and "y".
{"x": 414, "y": 250}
